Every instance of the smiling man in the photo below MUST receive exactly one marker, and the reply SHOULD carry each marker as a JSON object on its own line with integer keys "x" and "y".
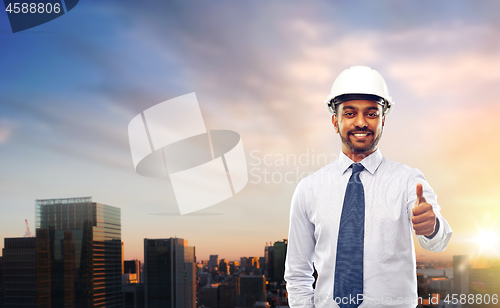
{"x": 354, "y": 219}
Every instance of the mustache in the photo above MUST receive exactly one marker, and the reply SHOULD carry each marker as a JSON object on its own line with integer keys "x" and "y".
{"x": 361, "y": 130}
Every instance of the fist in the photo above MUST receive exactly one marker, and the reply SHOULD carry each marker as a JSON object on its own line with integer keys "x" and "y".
{"x": 423, "y": 218}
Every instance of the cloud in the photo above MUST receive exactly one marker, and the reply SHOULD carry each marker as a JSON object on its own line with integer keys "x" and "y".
{"x": 5, "y": 134}
{"x": 6, "y": 130}
{"x": 71, "y": 128}
{"x": 268, "y": 82}
{"x": 436, "y": 62}
{"x": 318, "y": 60}
{"x": 263, "y": 73}
{"x": 454, "y": 76}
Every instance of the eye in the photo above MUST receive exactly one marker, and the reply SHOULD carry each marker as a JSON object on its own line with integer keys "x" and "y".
{"x": 348, "y": 114}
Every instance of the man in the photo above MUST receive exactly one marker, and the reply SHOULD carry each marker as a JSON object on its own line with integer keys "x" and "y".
{"x": 355, "y": 218}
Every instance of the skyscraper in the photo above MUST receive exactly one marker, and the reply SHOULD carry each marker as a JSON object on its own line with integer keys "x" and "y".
{"x": 279, "y": 260}
{"x": 461, "y": 268}
{"x": 132, "y": 271}
{"x": 19, "y": 272}
{"x": 250, "y": 264}
{"x": 227, "y": 295}
{"x": 169, "y": 273}
{"x": 1, "y": 281}
{"x": 250, "y": 289}
{"x": 133, "y": 295}
{"x": 269, "y": 255}
{"x": 262, "y": 267}
{"x": 78, "y": 253}
{"x": 223, "y": 266}
{"x": 214, "y": 261}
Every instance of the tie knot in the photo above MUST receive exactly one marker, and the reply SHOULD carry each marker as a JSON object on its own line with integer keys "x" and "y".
{"x": 357, "y": 167}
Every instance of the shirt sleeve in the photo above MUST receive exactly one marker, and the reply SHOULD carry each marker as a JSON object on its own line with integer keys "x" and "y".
{"x": 300, "y": 253}
{"x": 440, "y": 240}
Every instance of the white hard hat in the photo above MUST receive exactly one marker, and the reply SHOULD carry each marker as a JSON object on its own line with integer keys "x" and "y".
{"x": 359, "y": 82}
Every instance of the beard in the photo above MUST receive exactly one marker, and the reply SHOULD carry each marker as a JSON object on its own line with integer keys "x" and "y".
{"x": 362, "y": 148}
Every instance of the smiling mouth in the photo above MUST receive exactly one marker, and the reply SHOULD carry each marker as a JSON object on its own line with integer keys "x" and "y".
{"x": 361, "y": 135}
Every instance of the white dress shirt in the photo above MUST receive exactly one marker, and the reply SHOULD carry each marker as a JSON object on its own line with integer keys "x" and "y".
{"x": 389, "y": 265}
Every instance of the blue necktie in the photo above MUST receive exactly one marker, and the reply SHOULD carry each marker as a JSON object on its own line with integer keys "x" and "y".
{"x": 350, "y": 245}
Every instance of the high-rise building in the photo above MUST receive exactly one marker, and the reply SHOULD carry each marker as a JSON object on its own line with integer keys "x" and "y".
{"x": 461, "y": 268}
{"x": 132, "y": 266}
{"x": 203, "y": 279}
{"x": 132, "y": 271}
{"x": 243, "y": 263}
{"x": 19, "y": 272}
{"x": 227, "y": 296}
{"x": 279, "y": 260}
{"x": 123, "y": 255}
{"x": 169, "y": 273}
{"x": 214, "y": 261}
{"x": 132, "y": 288}
{"x": 133, "y": 295}
{"x": 78, "y": 253}
{"x": 223, "y": 266}
{"x": 233, "y": 266}
{"x": 249, "y": 264}
{"x": 250, "y": 289}
{"x": 262, "y": 266}
{"x": 217, "y": 295}
{"x": 208, "y": 295}
{"x": 269, "y": 255}
{"x": 1, "y": 281}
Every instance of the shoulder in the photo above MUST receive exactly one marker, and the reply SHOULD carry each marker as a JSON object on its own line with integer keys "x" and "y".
{"x": 390, "y": 166}
{"x": 395, "y": 171}
{"x": 323, "y": 174}
{"x": 319, "y": 178}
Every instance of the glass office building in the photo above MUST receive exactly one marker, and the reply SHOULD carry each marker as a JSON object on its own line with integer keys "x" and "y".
{"x": 19, "y": 284}
{"x": 169, "y": 273}
{"x": 78, "y": 253}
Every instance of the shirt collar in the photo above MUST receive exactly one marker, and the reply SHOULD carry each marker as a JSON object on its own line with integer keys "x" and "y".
{"x": 371, "y": 162}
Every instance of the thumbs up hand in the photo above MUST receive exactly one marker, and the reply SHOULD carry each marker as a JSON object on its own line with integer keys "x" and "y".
{"x": 423, "y": 219}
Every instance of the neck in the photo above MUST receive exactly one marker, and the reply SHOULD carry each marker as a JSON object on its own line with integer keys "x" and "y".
{"x": 357, "y": 156}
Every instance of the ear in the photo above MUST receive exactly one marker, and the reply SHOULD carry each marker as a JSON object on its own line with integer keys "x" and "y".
{"x": 335, "y": 123}
{"x": 383, "y": 120}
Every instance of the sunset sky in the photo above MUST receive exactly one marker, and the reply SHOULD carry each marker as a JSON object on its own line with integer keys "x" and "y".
{"x": 70, "y": 87}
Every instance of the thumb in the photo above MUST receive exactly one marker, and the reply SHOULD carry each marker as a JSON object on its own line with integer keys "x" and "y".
{"x": 420, "y": 197}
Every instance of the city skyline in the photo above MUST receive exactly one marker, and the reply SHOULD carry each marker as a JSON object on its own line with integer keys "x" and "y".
{"x": 476, "y": 260}
{"x": 70, "y": 87}
{"x": 476, "y": 256}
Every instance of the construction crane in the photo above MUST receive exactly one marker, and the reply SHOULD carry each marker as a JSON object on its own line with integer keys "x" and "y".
{"x": 28, "y": 233}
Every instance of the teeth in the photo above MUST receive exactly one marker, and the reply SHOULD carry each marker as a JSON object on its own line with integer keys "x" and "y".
{"x": 360, "y": 135}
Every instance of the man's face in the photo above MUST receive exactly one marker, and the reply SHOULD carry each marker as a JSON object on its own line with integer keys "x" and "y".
{"x": 359, "y": 124}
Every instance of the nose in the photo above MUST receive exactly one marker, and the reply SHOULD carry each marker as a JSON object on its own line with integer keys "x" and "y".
{"x": 360, "y": 121}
